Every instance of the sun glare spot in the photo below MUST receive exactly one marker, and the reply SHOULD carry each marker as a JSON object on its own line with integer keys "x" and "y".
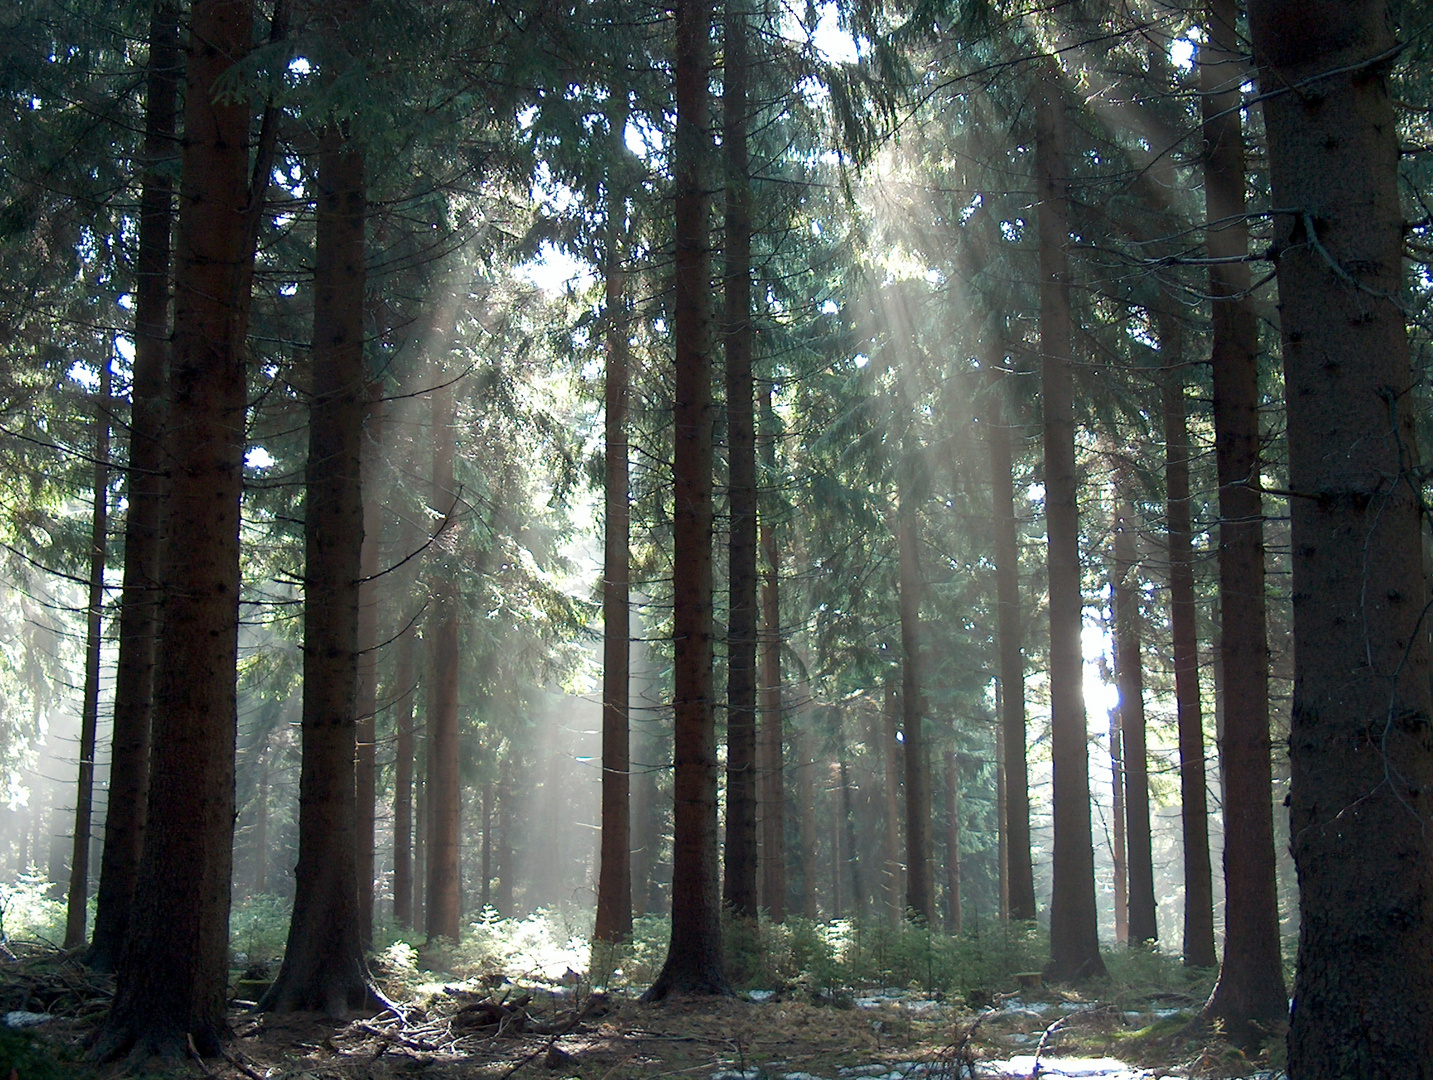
{"x": 1181, "y": 53}
{"x": 258, "y": 458}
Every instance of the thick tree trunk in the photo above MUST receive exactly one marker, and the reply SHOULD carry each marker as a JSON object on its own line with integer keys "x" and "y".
{"x": 771, "y": 771}
{"x": 1074, "y": 935}
{"x": 323, "y": 967}
{"x": 1194, "y": 813}
{"x": 739, "y": 886}
{"x": 1360, "y": 747}
{"x": 1250, "y": 994}
{"x": 953, "y": 920}
{"x": 1129, "y": 673}
{"x": 75, "y": 907}
{"x": 1016, "y": 803}
{"x": 442, "y": 899}
{"x": 694, "y": 958}
{"x": 140, "y": 594}
{"x": 614, "y": 883}
{"x": 172, "y": 977}
{"x": 366, "y": 731}
{"x": 919, "y": 886}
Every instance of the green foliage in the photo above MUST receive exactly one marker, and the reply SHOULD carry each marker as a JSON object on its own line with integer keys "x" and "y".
{"x": 27, "y": 910}
{"x": 259, "y": 926}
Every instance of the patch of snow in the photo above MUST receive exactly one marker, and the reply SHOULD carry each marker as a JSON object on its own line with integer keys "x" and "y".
{"x": 1074, "y": 1068}
{"x": 18, "y": 1019}
{"x": 761, "y": 995}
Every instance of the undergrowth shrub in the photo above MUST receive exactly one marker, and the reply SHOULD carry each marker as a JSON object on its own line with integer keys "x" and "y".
{"x": 258, "y": 928}
{"x": 27, "y": 912}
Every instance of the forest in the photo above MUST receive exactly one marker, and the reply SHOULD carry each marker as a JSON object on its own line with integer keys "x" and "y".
{"x": 699, "y": 514}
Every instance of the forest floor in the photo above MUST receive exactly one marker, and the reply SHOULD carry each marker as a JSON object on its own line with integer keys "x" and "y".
{"x": 489, "y": 1029}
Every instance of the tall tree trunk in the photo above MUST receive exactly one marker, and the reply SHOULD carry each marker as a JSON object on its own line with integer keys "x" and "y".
{"x": 739, "y": 886}
{"x": 919, "y": 886}
{"x": 1250, "y": 994}
{"x": 172, "y": 977}
{"x": 694, "y": 957}
{"x": 838, "y": 845}
{"x": 1074, "y": 934}
{"x": 853, "y": 850}
{"x": 1129, "y": 673}
{"x": 1016, "y": 803}
{"x": 507, "y": 832}
{"x": 770, "y": 767}
{"x": 261, "y": 824}
{"x": 75, "y": 907}
{"x": 1002, "y": 831}
{"x": 366, "y": 731}
{"x": 443, "y": 901}
{"x": 420, "y": 834}
{"x": 806, "y": 818}
{"x": 953, "y": 920}
{"x": 323, "y": 967}
{"x": 614, "y": 885}
{"x": 140, "y": 595}
{"x": 485, "y": 891}
{"x": 405, "y": 695}
{"x": 1118, "y": 845}
{"x": 895, "y": 864}
{"x": 1360, "y": 749}
{"x": 1194, "y": 813}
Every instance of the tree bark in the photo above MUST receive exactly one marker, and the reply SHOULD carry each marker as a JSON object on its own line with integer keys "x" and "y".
{"x": 261, "y": 824}
{"x": 442, "y": 899}
{"x": 1010, "y": 633}
{"x": 1074, "y": 936}
{"x": 75, "y": 906}
{"x": 1129, "y": 673}
{"x": 406, "y": 690}
{"x": 366, "y": 731}
{"x": 614, "y": 884}
{"x": 806, "y": 818}
{"x": 172, "y": 977}
{"x": 1119, "y": 863}
{"x": 323, "y": 967}
{"x": 1194, "y": 812}
{"x": 739, "y": 887}
{"x": 771, "y": 770}
{"x": 1362, "y": 758}
{"x": 953, "y": 921}
{"x": 140, "y": 592}
{"x": 895, "y": 864}
{"x": 1249, "y": 996}
{"x": 694, "y": 958}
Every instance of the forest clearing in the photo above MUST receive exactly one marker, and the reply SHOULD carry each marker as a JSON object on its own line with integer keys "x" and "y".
{"x": 741, "y": 541}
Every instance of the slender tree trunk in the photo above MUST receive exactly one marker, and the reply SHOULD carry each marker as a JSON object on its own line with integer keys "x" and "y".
{"x": 1360, "y": 749}
{"x": 838, "y": 845}
{"x": 919, "y": 885}
{"x": 953, "y": 920}
{"x": 140, "y": 595}
{"x": 739, "y": 891}
{"x": 507, "y": 831}
{"x": 172, "y": 978}
{"x": 406, "y": 688}
{"x": 485, "y": 893}
{"x": 1250, "y": 994}
{"x": 1016, "y": 803}
{"x": 1118, "y": 846}
{"x": 614, "y": 885}
{"x": 1129, "y": 672}
{"x": 323, "y": 967}
{"x": 1074, "y": 935}
{"x": 895, "y": 865}
{"x": 261, "y": 825}
{"x": 75, "y": 908}
{"x": 443, "y": 900}
{"x": 1002, "y": 831}
{"x": 366, "y": 778}
{"x": 694, "y": 957}
{"x": 1194, "y": 813}
{"x": 806, "y": 819}
{"x": 771, "y": 771}
{"x": 420, "y": 835}
{"x": 853, "y": 850}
